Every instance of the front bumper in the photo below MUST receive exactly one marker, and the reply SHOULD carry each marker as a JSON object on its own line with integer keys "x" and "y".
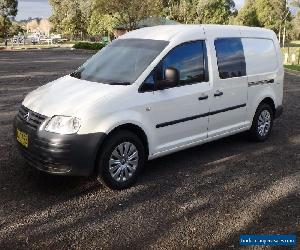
{"x": 59, "y": 154}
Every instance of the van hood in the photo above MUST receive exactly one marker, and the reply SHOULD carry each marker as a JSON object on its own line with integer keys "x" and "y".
{"x": 67, "y": 96}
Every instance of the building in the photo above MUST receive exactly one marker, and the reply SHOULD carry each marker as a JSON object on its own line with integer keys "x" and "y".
{"x": 42, "y": 27}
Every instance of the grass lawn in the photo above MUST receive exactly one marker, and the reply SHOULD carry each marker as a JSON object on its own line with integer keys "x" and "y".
{"x": 293, "y": 67}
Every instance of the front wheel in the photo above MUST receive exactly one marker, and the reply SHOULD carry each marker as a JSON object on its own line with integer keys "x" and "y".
{"x": 262, "y": 123}
{"x": 121, "y": 159}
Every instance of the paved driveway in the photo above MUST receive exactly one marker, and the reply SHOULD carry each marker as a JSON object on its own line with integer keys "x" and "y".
{"x": 204, "y": 197}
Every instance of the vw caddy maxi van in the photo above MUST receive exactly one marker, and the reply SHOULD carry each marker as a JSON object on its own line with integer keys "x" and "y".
{"x": 152, "y": 92}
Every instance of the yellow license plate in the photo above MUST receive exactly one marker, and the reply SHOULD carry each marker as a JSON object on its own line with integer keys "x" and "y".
{"x": 22, "y": 138}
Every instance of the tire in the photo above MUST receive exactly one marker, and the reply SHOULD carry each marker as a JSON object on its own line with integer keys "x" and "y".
{"x": 258, "y": 131}
{"x": 117, "y": 170}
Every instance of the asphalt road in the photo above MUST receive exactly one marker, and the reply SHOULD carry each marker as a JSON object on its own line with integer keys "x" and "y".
{"x": 203, "y": 198}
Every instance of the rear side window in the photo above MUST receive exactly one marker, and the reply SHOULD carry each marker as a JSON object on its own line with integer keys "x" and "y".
{"x": 260, "y": 55}
{"x": 231, "y": 58}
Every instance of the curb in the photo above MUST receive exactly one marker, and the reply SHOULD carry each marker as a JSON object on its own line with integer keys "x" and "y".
{"x": 33, "y": 48}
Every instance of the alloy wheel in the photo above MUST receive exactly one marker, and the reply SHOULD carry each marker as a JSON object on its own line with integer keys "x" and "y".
{"x": 123, "y": 161}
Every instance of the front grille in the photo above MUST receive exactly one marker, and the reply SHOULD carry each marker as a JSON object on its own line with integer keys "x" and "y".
{"x": 34, "y": 121}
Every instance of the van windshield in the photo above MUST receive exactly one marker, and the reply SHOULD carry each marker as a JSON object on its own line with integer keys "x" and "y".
{"x": 121, "y": 62}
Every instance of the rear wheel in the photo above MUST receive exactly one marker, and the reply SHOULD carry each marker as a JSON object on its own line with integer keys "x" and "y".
{"x": 121, "y": 159}
{"x": 262, "y": 122}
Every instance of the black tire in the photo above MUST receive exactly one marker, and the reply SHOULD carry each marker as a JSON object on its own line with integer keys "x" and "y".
{"x": 254, "y": 131}
{"x": 110, "y": 144}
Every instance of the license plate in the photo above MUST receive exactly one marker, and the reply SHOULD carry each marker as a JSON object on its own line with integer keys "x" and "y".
{"x": 22, "y": 138}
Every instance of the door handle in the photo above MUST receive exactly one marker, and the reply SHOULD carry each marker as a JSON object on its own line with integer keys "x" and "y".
{"x": 218, "y": 93}
{"x": 203, "y": 97}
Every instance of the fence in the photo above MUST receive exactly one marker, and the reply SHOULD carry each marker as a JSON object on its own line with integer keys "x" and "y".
{"x": 291, "y": 55}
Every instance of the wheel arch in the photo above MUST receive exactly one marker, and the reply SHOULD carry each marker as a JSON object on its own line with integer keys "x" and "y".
{"x": 136, "y": 130}
{"x": 265, "y": 96}
{"x": 268, "y": 100}
{"x": 126, "y": 126}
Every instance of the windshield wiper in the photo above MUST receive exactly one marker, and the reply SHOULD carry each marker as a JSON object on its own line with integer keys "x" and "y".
{"x": 76, "y": 74}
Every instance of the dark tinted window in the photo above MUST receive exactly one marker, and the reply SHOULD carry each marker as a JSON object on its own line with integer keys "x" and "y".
{"x": 189, "y": 58}
{"x": 231, "y": 58}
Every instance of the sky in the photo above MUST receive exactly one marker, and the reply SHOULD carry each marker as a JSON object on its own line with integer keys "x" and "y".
{"x": 33, "y": 8}
{"x": 41, "y": 8}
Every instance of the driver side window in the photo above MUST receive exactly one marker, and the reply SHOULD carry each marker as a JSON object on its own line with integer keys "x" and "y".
{"x": 188, "y": 58}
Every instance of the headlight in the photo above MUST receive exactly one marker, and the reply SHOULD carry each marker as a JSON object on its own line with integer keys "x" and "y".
{"x": 63, "y": 125}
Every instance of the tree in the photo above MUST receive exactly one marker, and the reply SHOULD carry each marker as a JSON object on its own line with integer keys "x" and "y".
{"x": 8, "y": 9}
{"x": 215, "y": 11}
{"x": 183, "y": 11}
{"x": 86, "y": 9}
{"x": 247, "y": 15}
{"x": 101, "y": 24}
{"x": 200, "y": 11}
{"x": 57, "y": 15}
{"x": 15, "y": 29}
{"x": 275, "y": 15}
{"x": 70, "y": 17}
{"x": 129, "y": 12}
{"x": 5, "y": 24}
{"x": 296, "y": 23}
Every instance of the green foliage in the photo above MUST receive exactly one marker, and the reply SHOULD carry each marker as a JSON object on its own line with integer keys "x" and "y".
{"x": 15, "y": 29}
{"x": 78, "y": 18}
{"x": 204, "y": 11}
{"x": 271, "y": 14}
{"x": 101, "y": 24}
{"x": 129, "y": 12}
{"x": 89, "y": 46}
{"x": 183, "y": 11}
{"x": 5, "y": 24}
{"x": 215, "y": 11}
{"x": 247, "y": 15}
{"x": 70, "y": 17}
{"x": 8, "y": 8}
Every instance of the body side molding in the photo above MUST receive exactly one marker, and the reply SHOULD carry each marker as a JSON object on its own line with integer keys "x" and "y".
{"x": 190, "y": 118}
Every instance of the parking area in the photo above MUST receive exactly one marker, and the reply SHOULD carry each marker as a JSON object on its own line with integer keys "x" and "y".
{"x": 204, "y": 197}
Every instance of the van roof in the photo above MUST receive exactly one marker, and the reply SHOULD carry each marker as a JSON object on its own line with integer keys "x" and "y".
{"x": 173, "y": 32}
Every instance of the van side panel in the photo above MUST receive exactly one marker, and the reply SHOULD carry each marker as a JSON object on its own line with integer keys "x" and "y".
{"x": 264, "y": 70}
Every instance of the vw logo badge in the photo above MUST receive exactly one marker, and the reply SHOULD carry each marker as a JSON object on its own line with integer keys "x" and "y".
{"x": 27, "y": 117}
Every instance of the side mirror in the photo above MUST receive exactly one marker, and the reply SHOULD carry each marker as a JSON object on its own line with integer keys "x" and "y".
{"x": 172, "y": 78}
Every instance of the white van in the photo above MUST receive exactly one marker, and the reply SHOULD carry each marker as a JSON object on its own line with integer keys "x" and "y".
{"x": 152, "y": 92}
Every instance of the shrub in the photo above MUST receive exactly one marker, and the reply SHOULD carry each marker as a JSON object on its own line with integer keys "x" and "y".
{"x": 87, "y": 45}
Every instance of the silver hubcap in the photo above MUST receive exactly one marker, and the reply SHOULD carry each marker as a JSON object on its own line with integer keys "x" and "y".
{"x": 264, "y": 123}
{"x": 123, "y": 161}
